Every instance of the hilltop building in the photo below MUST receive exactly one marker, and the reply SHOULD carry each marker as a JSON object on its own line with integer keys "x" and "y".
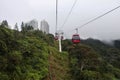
{"x": 44, "y": 26}
{"x": 33, "y": 23}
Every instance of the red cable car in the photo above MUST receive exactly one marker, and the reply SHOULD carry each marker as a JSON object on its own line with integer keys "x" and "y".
{"x": 62, "y": 38}
{"x": 56, "y": 38}
{"x": 76, "y": 38}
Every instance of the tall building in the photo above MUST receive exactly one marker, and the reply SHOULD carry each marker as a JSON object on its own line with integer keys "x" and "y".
{"x": 44, "y": 27}
{"x": 33, "y": 23}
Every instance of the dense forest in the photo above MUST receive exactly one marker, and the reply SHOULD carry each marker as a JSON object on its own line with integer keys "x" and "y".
{"x": 33, "y": 55}
{"x": 93, "y": 60}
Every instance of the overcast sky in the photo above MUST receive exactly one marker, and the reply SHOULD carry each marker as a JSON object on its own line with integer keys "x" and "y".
{"x": 107, "y": 27}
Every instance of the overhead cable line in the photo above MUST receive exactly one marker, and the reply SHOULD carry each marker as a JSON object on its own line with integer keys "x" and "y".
{"x": 66, "y": 19}
{"x": 98, "y": 17}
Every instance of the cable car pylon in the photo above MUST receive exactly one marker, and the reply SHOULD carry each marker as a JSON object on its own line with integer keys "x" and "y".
{"x": 58, "y": 34}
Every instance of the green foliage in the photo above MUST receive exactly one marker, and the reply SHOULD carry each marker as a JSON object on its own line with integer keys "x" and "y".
{"x": 3, "y": 47}
{"x": 117, "y": 44}
{"x": 24, "y": 57}
{"x": 3, "y": 76}
{"x": 83, "y": 58}
{"x": 90, "y": 75}
{"x": 113, "y": 56}
{"x": 58, "y": 65}
{"x": 4, "y": 23}
{"x": 93, "y": 61}
{"x": 16, "y": 27}
{"x": 66, "y": 43}
{"x": 32, "y": 55}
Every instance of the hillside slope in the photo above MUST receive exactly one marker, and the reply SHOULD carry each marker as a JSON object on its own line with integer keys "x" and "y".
{"x": 93, "y": 60}
{"x": 33, "y": 55}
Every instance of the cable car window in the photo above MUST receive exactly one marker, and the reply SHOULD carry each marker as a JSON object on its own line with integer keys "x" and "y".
{"x": 76, "y": 37}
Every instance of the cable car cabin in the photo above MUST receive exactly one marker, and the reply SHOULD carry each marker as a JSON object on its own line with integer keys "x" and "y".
{"x": 76, "y": 38}
{"x": 56, "y": 38}
{"x": 62, "y": 38}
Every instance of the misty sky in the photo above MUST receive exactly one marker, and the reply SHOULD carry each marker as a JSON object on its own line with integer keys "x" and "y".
{"x": 107, "y": 27}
